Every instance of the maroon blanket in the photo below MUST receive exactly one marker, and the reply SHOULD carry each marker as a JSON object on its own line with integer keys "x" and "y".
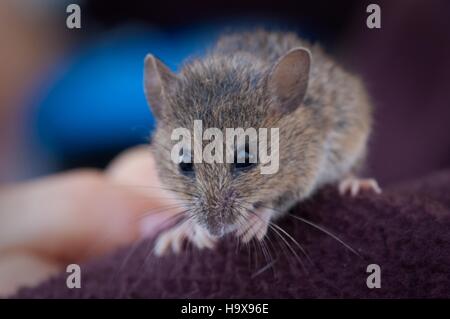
{"x": 406, "y": 231}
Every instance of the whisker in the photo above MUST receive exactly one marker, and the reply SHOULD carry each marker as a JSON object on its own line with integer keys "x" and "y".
{"x": 326, "y": 232}
{"x": 137, "y": 243}
{"x": 179, "y": 191}
{"x": 277, "y": 230}
{"x": 289, "y": 247}
{"x": 267, "y": 256}
{"x": 180, "y": 223}
{"x": 263, "y": 269}
{"x": 294, "y": 241}
{"x": 160, "y": 210}
{"x": 317, "y": 227}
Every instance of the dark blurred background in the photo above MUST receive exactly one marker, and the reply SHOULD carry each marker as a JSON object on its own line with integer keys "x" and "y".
{"x": 71, "y": 98}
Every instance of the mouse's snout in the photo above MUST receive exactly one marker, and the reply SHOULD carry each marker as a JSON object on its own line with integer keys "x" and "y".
{"x": 218, "y": 214}
{"x": 219, "y": 229}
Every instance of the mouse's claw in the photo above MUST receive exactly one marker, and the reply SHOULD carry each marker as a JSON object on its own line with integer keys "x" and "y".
{"x": 255, "y": 226}
{"x": 354, "y": 185}
{"x": 174, "y": 238}
{"x": 201, "y": 238}
{"x": 171, "y": 239}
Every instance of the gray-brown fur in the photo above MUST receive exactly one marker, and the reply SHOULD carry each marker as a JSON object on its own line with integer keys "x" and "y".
{"x": 321, "y": 141}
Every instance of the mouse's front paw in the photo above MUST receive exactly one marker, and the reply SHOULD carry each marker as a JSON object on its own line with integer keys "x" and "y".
{"x": 174, "y": 238}
{"x": 254, "y": 225}
{"x": 354, "y": 185}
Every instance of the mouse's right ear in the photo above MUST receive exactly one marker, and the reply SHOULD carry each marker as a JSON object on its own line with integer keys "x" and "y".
{"x": 157, "y": 80}
{"x": 288, "y": 80}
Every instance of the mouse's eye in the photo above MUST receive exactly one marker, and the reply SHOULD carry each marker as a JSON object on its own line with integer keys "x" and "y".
{"x": 185, "y": 163}
{"x": 244, "y": 160}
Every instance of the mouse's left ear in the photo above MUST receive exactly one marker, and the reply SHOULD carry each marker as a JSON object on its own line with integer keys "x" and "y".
{"x": 157, "y": 80}
{"x": 288, "y": 80}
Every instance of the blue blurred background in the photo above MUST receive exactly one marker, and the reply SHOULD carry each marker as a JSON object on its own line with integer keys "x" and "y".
{"x": 100, "y": 86}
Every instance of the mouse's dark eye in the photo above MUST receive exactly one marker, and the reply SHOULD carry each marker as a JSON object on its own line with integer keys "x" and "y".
{"x": 185, "y": 163}
{"x": 244, "y": 160}
{"x": 186, "y": 168}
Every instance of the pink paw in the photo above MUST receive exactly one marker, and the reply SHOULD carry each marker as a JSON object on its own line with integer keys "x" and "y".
{"x": 173, "y": 239}
{"x": 255, "y": 226}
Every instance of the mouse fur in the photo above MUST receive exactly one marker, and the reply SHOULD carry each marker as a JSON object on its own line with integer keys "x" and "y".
{"x": 259, "y": 79}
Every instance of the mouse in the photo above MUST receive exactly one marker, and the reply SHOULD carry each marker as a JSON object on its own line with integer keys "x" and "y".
{"x": 256, "y": 79}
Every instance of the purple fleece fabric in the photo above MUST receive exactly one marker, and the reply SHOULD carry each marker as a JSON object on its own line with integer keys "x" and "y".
{"x": 406, "y": 231}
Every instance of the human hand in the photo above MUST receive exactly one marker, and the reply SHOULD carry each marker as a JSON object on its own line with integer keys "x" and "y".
{"x": 53, "y": 221}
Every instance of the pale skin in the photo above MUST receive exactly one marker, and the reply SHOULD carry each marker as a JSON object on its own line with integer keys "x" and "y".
{"x": 51, "y": 222}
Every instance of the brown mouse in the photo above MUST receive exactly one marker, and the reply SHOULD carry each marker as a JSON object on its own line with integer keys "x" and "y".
{"x": 257, "y": 79}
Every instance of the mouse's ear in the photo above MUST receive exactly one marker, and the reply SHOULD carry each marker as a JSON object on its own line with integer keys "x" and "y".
{"x": 157, "y": 80}
{"x": 288, "y": 80}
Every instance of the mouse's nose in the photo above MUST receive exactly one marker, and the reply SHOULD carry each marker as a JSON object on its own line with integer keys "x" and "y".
{"x": 217, "y": 213}
{"x": 217, "y": 223}
{"x": 219, "y": 230}
{"x": 216, "y": 230}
